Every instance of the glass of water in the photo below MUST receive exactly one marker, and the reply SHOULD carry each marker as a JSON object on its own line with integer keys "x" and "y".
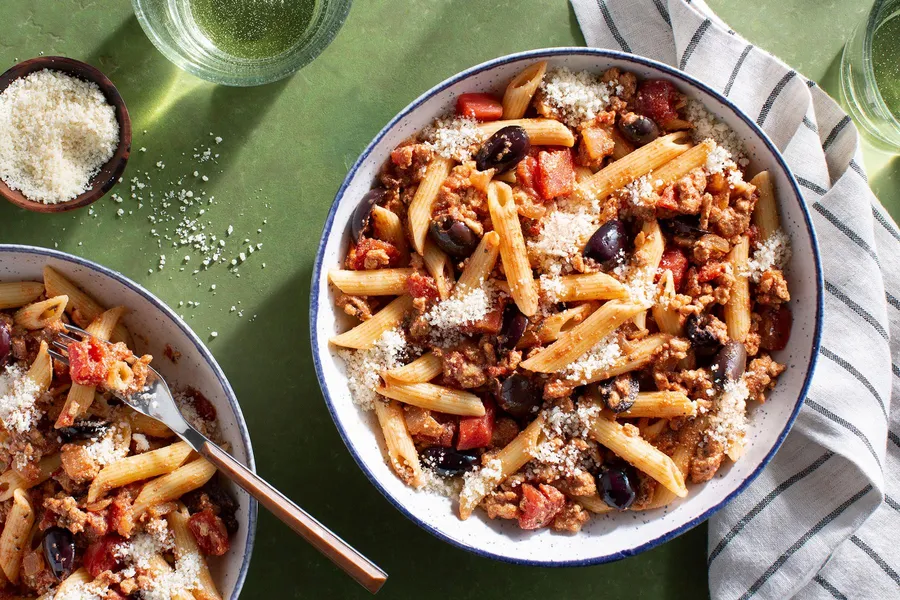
{"x": 241, "y": 42}
{"x": 870, "y": 75}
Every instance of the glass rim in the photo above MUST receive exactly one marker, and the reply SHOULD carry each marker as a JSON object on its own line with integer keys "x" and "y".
{"x": 872, "y": 25}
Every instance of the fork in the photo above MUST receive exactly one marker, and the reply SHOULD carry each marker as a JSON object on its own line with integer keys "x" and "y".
{"x": 156, "y": 401}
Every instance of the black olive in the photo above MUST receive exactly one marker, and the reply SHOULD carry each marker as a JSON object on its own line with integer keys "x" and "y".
{"x": 453, "y": 237}
{"x": 448, "y": 462}
{"x": 59, "y": 551}
{"x": 702, "y": 339}
{"x": 616, "y": 487}
{"x": 5, "y": 343}
{"x": 683, "y": 227}
{"x": 359, "y": 222}
{"x": 638, "y": 129}
{"x": 519, "y": 396}
{"x": 503, "y": 150}
{"x": 608, "y": 242}
{"x": 83, "y": 430}
{"x": 729, "y": 364}
{"x": 619, "y": 393}
{"x": 514, "y": 324}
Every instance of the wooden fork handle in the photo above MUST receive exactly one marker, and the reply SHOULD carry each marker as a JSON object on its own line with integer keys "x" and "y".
{"x": 342, "y": 554}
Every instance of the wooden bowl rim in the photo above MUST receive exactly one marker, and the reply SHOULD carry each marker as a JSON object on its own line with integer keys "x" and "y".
{"x": 110, "y": 173}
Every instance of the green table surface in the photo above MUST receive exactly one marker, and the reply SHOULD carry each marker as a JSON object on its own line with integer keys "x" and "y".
{"x": 285, "y": 150}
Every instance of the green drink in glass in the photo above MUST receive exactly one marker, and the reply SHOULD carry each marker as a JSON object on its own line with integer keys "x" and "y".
{"x": 870, "y": 75}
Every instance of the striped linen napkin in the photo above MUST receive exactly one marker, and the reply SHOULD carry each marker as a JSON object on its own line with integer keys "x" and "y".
{"x": 821, "y": 519}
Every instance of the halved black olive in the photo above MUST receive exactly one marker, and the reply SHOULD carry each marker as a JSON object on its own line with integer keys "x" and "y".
{"x": 702, "y": 339}
{"x": 619, "y": 393}
{"x": 514, "y": 324}
{"x": 683, "y": 227}
{"x": 638, "y": 129}
{"x": 5, "y": 343}
{"x": 608, "y": 242}
{"x": 503, "y": 150}
{"x": 453, "y": 237}
{"x": 59, "y": 551}
{"x": 83, "y": 430}
{"x": 519, "y": 396}
{"x": 617, "y": 487}
{"x": 448, "y": 462}
{"x": 729, "y": 364}
{"x": 359, "y": 222}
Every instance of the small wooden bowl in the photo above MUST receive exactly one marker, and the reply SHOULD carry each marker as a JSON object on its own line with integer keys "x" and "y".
{"x": 109, "y": 174}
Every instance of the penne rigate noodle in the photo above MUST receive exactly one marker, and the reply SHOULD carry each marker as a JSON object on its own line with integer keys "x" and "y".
{"x": 186, "y": 545}
{"x": 664, "y": 405}
{"x": 649, "y": 248}
{"x": 582, "y": 337}
{"x": 71, "y": 583}
{"x": 582, "y": 174}
{"x": 651, "y": 431}
{"x": 639, "y": 357}
{"x": 422, "y": 370}
{"x": 158, "y": 568}
{"x": 765, "y": 215}
{"x": 41, "y": 314}
{"x": 16, "y": 531}
{"x": 681, "y": 165}
{"x": 621, "y": 146}
{"x": 737, "y": 309}
{"x": 169, "y": 487}
{"x": 510, "y": 459}
{"x": 634, "y": 165}
{"x": 668, "y": 320}
{"x": 440, "y": 268}
{"x": 521, "y": 90}
{"x": 379, "y": 282}
{"x": 401, "y": 450}
{"x": 81, "y": 307}
{"x": 541, "y": 132}
{"x": 551, "y": 328}
{"x": 594, "y": 503}
{"x": 434, "y": 397}
{"x": 41, "y": 370}
{"x": 138, "y": 467}
{"x": 480, "y": 264}
{"x": 11, "y": 481}
{"x": 19, "y": 293}
{"x": 639, "y": 453}
{"x": 688, "y": 438}
{"x": 388, "y": 227}
{"x": 591, "y": 286}
{"x": 423, "y": 201}
{"x": 505, "y": 218}
{"x": 148, "y": 425}
{"x": 119, "y": 376}
{"x": 366, "y": 333}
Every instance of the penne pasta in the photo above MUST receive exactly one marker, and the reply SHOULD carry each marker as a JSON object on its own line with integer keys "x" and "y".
{"x": 510, "y": 459}
{"x": 480, "y": 264}
{"x": 591, "y": 286}
{"x": 159, "y": 569}
{"x": 668, "y": 320}
{"x": 148, "y": 425}
{"x": 16, "y": 531}
{"x": 440, "y": 268}
{"x": 638, "y": 452}
{"x": 594, "y": 503}
{"x": 186, "y": 546}
{"x": 422, "y": 203}
{"x": 170, "y": 487}
{"x": 82, "y": 308}
{"x": 688, "y": 438}
{"x": 541, "y": 132}
{"x": 380, "y": 282}
{"x": 512, "y": 248}
{"x": 67, "y": 589}
{"x": 634, "y": 165}
{"x": 388, "y": 227}
{"x": 422, "y": 370}
{"x": 41, "y": 314}
{"x": 737, "y": 309}
{"x": 639, "y": 357}
{"x": 41, "y": 370}
{"x": 11, "y": 481}
{"x": 366, "y": 333}
{"x": 551, "y": 328}
{"x": 401, "y": 450}
{"x": 521, "y": 90}
{"x": 649, "y": 248}
{"x": 582, "y": 337}
{"x": 681, "y": 165}
{"x": 434, "y": 397}
{"x": 138, "y": 467}
{"x": 765, "y": 215}
{"x": 19, "y": 293}
{"x": 664, "y": 405}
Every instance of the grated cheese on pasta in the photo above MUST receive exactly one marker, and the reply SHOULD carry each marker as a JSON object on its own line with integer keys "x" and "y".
{"x": 479, "y": 483}
{"x": 773, "y": 253}
{"x": 454, "y": 138}
{"x": 576, "y": 97}
{"x": 364, "y": 367}
{"x": 599, "y": 358}
{"x": 728, "y": 422}
{"x": 562, "y": 236}
{"x": 708, "y": 126}
{"x": 18, "y": 394}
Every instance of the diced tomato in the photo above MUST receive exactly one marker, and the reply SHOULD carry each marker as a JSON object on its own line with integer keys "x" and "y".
{"x": 674, "y": 260}
{"x": 483, "y": 107}
{"x": 210, "y": 533}
{"x": 101, "y": 555}
{"x": 202, "y": 405}
{"x": 710, "y": 271}
{"x": 667, "y": 199}
{"x": 476, "y": 432}
{"x": 491, "y": 323}
{"x": 380, "y": 247}
{"x": 539, "y": 506}
{"x": 526, "y": 172}
{"x": 555, "y": 173}
{"x": 657, "y": 99}
{"x": 422, "y": 286}
{"x": 775, "y": 327}
{"x": 89, "y": 362}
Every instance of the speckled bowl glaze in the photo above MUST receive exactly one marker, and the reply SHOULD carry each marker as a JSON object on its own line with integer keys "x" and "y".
{"x": 153, "y": 325}
{"x": 612, "y": 536}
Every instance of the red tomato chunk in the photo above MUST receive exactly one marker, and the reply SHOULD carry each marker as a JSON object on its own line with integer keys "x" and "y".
{"x": 658, "y": 99}
{"x": 370, "y": 254}
{"x": 210, "y": 533}
{"x": 483, "y": 107}
{"x": 476, "y": 432}
{"x": 101, "y": 555}
{"x": 555, "y": 174}
{"x": 539, "y": 505}
{"x": 422, "y": 286}
{"x": 89, "y": 362}
{"x": 674, "y": 260}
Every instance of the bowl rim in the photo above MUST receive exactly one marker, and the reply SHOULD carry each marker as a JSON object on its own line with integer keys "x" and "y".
{"x": 549, "y": 53}
{"x": 253, "y": 506}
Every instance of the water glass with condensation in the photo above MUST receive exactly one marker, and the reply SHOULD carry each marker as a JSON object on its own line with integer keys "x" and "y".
{"x": 870, "y": 75}
{"x": 241, "y": 42}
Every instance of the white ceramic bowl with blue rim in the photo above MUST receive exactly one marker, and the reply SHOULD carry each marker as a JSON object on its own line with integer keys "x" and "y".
{"x": 613, "y": 536}
{"x": 153, "y": 325}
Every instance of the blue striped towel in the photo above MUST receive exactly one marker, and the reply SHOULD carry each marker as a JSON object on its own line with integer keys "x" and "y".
{"x": 820, "y": 520}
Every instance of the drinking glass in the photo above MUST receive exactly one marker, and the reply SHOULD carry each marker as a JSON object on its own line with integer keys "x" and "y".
{"x": 241, "y": 42}
{"x": 870, "y": 75}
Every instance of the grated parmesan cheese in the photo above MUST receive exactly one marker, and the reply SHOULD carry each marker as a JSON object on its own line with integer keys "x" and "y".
{"x": 448, "y": 316}
{"x": 433, "y": 483}
{"x": 599, "y": 358}
{"x": 728, "y": 422}
{"x": 139, "y": 552}
{"x": 92, "y": 590}
{"x": 576, "y": 424}
{"x": 454, "y": 138}
{"x": 576, "y": 97}
{"x": 551, "y": 287}
{"x": 639, "y": 191}
{"x": 640, "y": 283}
{"x": 562, "y": 236}
{"x": 479, "y": 483}
{"x": 108, "y": 449}
{"x": 708, "y": 126}
{"x": 773, "y": 253}
{"x": 18, "y": 394}
{"x": 364, "y": 367}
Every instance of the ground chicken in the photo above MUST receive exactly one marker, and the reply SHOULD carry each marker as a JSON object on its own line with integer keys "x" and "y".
{"x": 760, "y": 376}
{"x": 772, "y": 289}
